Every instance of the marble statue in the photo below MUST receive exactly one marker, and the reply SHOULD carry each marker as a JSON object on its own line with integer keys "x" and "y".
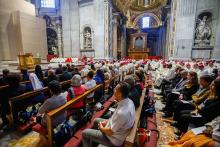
{"x": 88, "y": 40}
{"x": 203, "y": 32}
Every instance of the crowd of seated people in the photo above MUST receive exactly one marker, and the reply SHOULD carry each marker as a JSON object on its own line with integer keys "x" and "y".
{"x": 93, "y": 75}
{"x": 15, "y": 88}
{"x": 39, "y": 79}
{"x": 190, "y": 93}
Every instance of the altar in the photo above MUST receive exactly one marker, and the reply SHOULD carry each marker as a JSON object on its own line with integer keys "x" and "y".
{"x": 138, "y": 46}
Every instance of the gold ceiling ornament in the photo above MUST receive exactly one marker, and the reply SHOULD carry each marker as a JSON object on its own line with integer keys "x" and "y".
{"x": 134, "y": 8}
{"x": 139, "y": 5}
{"x": 147, "y": 5}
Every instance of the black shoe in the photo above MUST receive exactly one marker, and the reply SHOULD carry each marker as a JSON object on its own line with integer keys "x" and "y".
{"x": 164, "y": 101}
{"x": 166, "y": 115}
{"x": 5, "y": 127}
{"x": 177, "y": 137}
{"x": 178, "y": 132}
{"x": 174, "y": 124}
{"x": 163, "y": 110}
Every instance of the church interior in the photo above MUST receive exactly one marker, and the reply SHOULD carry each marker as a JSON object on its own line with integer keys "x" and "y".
{"x": 98, "y": 73}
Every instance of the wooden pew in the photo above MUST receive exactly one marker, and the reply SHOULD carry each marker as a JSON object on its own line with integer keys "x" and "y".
{"x": 26, "y": 82}
{"x": 29, "y": 95}
{"x": 130, "y": 139}
{"x": 51, "y": 115}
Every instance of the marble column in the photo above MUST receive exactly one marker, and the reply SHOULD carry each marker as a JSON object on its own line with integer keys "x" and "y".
{"x": 60, "y": 42}
{"x": 106, "y": 36}
{"x": 70, "y": 21}
{"x": 123, "y": 42}
{"x": 115, "y": 39}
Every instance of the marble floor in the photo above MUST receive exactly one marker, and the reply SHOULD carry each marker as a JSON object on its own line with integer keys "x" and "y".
{"x": 164, "y": 127}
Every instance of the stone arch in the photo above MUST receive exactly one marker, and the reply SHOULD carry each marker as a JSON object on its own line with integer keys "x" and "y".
{"x": 151, "y": 15}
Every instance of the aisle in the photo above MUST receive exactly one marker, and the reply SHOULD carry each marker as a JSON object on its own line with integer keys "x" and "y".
{"x": 166, "y": 131}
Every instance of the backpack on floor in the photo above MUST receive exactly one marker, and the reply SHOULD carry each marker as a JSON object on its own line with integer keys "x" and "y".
{"x": 62, "y": 133}
{"x": 148, "y": 108}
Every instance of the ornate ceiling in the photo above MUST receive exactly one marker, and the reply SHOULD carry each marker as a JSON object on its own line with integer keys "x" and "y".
{"x": 132, "y": 9}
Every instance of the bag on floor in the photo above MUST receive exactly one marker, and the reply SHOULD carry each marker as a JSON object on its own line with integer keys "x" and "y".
{"x": 24, "y": 116}
{"x": 143, "y": 136}
{"x": 62, "y": 133}
{"x": 85, "y": 118}
{"x": 148, "y": 108}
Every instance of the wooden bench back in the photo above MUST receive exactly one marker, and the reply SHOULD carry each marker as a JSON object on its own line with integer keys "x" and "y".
{"x": 129, "y": 141}
{"x": 26, "y": 82}
{"x": 28, "y": 95}
{"x": 52, "y": 114}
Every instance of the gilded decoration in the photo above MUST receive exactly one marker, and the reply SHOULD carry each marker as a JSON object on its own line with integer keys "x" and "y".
{"x": 133, "y": 9}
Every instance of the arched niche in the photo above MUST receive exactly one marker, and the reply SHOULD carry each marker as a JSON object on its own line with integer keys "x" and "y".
{"x": 52, "y": 36}
{"x": 87, "y": 38}
{"x": 203, "y": 29}
{"x": 154, "y": 20}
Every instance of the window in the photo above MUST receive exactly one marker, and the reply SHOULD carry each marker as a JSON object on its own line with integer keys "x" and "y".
{"x": 48, "y": 3}
{"x": 145, "y": 22}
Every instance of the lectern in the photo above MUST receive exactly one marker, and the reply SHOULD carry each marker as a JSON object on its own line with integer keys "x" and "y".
{"x": 26, "y": 61}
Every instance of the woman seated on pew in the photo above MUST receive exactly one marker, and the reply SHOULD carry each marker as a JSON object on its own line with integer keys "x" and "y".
{"x": 5, "y": 73}
{"x": 77, "y": 89}
{"x": 204, "y": 113}
{"x": 51, "y": 77}
{"x": 140, "y": 79}
{"x": 25, "y": 74}
{"x": 14, "y": 89}
{"x": 36, "y": 83}
{"x": 66, "y": 75}
{"x": 75, "y": 71}
{"x": 134, "y": 95}
{"x": 93, "y": 68}
{"x": 99, "y": 77}
{"x": 59, "y": 70}
{"x": 58, "y": 99}
{"x": 185, "y": 94}
{"x": 48, "y": 69}
{"x": 39, "y": 73}
{"x": 107, "y": 73}
{"x": 90, "y": 84}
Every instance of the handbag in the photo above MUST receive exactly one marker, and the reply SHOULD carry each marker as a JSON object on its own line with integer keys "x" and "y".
{"x": 143, "y": 136}
{"x": 85, "y": 118}
{"x": 71, "y": 92}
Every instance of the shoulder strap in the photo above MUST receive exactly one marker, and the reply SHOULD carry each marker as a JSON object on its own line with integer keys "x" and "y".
{"x": 71, "y": 92}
